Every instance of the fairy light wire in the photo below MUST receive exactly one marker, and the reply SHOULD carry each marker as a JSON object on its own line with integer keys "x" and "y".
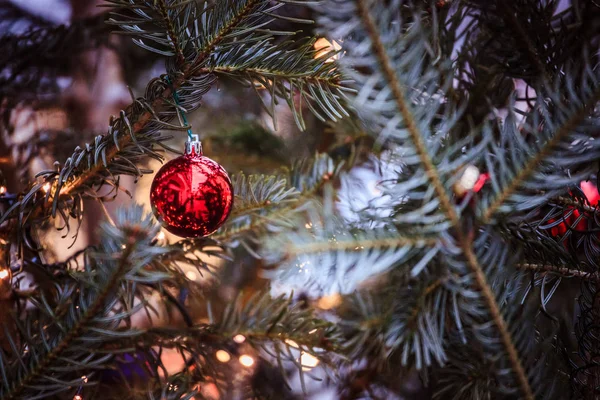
{"x": 182, "y": 118}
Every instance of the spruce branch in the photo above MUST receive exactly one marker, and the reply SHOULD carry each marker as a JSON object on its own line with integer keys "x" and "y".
{"x": 87, "y": 306}
{"x": 401, "y": 102}
{"x": 291, "y": 71}
{"x": 557, "y": 122}
{"x": 268, "y": 203}
{"x": 134, "y": 132}
{"x": 280, "y": 327}
{"x": 74, "y": 331}
{"x": 567, "y": 202}
{"x": 560, "y": 271}
{"x": 446, "y": 204}
{"x": 158, "y": 26}
{"x": 420, "y": 155}
{"x": 498, "y": 319}
{"x": 358, "y": 245}
{"x": 259, "y": 192}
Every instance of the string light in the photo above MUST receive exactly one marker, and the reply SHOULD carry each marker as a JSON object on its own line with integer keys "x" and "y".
{"x": 2, "y": 190}
{"x": 324, "y": 46}
{"x": 308, "y": 361}
{"x": 222, "y": 356}
{"x": 191, "y": 275}
{"x": 3, "y": 273}
{"x": 239, "y": 338}
{"x": 84, "y": 379}
{"x": 467, "y": 181}
{"x": 246, "y": 360}
{"x": 77, "y": 397}
{"x": 46, "y": 187}
{"x": 329, "y": 302}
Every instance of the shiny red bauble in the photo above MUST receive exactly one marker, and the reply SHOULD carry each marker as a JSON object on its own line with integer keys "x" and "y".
{"x": 191, "y": 195}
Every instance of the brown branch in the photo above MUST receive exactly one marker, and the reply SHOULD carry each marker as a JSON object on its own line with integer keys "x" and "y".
{"x": 360, "y": 245}
{"x": 171, "y": 32}
{"x": 565, "y": 201}
{"x": 465, "y": 243}
{"x": 563, "y": 271}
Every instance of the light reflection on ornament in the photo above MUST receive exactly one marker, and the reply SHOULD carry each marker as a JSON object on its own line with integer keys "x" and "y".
{"x": 246, "y": 360}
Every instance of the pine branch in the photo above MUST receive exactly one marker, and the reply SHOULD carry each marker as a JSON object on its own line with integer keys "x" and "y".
{"x": 74, "y": 331}
{"x": 358, "y": 245}
{"x": 401, "y": 102}
{"x": 415, "y": 135}
{"x": 264, "y": 203}
{"x": 87, "y": 306}
{"x": 291, "y": 71}
{"x": 446, "y": 204}
{"x": 82, "y": 175}
{"x": 556, "y": 122}
{"x": 560, "y": 271}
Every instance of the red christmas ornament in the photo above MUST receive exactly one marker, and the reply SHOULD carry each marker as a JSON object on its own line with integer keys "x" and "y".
{"x": 191, "y": 195}
{"x": 572, "y": 214}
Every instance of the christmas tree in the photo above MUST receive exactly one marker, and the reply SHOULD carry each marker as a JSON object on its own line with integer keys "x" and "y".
{"x": 410, "y": 209}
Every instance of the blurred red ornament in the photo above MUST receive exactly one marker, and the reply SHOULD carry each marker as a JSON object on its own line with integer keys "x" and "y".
{"x": 572, "y": 220}
{"x": 191, "y": 195}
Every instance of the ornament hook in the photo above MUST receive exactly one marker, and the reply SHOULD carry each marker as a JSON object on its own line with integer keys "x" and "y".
{"x": 193, "y": 145}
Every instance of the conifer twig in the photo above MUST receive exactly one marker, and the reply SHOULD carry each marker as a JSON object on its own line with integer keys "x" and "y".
{"x": 92, "y": 312}
{"x": 563, "y": 271}
{"x": 359, "y": 245}
{"x": 533, "y": 163}
{"x": 445, "y": 203}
